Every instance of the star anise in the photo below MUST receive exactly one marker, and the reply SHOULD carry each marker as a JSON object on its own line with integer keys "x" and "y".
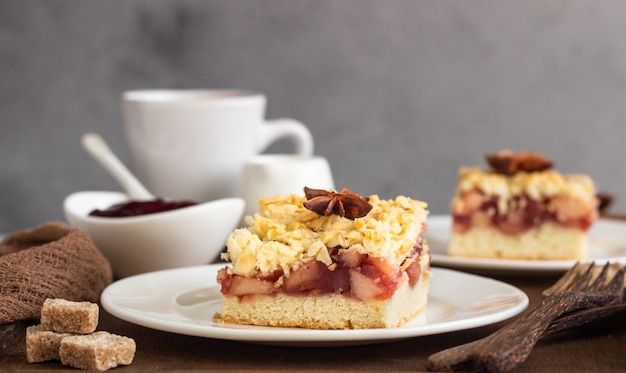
{"x": 502, "y": 162}
{"x": 346, "y": 203}
{"x": 508, "y": 163}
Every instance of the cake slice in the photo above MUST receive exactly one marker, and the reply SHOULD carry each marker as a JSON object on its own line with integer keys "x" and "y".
{"x": 327, "y": 260}
{"x": 521, "y": 209}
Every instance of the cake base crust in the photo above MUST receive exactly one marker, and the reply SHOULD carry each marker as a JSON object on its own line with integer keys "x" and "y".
{"x": 550, "y": 241}
{"x": 328, "y": 311}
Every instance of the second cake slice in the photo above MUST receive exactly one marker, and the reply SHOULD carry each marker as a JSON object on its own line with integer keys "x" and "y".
{"x": 522, "y": 209}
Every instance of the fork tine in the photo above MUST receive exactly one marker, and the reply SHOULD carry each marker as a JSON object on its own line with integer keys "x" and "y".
{"x": 616, "y": 285}
{"x": 581, "y": 277}
{"x": 583, "y": 281}
{"x": 589, "y": 282}
{"x": 565, "y": 280}
{"x": 600, "y": 280}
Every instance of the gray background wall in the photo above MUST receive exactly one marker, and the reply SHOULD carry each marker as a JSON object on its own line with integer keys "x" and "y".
{"x": 398, "y": 93}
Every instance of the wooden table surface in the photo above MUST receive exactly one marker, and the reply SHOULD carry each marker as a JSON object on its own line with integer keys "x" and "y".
{"x": 598, "y": 347}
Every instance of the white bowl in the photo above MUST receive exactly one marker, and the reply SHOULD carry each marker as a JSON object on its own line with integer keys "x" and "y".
{"x": 188, "y": 236}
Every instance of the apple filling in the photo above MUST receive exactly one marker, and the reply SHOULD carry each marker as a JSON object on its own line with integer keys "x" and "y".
{"x": 521, "y": 213}
{"x": 351, "y": 274}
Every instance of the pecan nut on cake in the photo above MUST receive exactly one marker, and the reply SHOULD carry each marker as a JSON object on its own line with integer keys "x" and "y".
{"x": 521, "y": 209}
{"x": 327, "y": 260}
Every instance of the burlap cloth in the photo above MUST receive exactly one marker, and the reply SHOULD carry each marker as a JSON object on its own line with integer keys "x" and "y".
{"x": 49, "y": 261}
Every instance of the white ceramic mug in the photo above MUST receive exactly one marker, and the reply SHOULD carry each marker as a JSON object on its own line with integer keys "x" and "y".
{"x": 191, "y": 144}
{"x": 267, "y": 175}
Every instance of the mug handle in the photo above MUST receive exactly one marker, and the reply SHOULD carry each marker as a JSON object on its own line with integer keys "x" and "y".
{"x": 275, "y": 129}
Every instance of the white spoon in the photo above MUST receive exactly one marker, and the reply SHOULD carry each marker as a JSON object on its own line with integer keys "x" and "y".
{"x": 98, "y": 148}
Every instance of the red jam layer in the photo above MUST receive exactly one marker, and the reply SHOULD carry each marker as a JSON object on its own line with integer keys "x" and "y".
{"x": 355, "y": 275}
{"x": 523, "y": 214}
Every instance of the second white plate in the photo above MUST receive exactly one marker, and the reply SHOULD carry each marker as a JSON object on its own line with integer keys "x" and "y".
{"x": 607, "y": 242}
{"x": 184, "y": 301}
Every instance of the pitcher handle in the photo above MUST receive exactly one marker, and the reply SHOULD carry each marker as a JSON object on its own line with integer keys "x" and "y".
{"x": 276, "y": 129}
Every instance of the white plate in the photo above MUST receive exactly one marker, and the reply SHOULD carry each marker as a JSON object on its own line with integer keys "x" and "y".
{"x": 607, "y": 242}
{"x": 184, "y": 301}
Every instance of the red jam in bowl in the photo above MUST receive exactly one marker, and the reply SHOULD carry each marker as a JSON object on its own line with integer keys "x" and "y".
{"x": 137, "y": 208}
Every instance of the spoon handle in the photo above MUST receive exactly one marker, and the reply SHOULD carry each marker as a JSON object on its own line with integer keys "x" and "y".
{"x": 98, "y": 148}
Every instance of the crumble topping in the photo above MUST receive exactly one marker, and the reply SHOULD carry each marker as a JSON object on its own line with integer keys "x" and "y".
{"x": 537, "y": 185}
{"x": 284, "y": 234}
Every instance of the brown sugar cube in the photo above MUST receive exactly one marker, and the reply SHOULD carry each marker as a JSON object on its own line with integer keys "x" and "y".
{"x": 43, "y": 345}
{"x": 98, "y": 351}
{"x": 65, "y": 316}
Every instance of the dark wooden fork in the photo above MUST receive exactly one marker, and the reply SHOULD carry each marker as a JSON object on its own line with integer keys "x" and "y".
{"x": 508, "y": 347}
